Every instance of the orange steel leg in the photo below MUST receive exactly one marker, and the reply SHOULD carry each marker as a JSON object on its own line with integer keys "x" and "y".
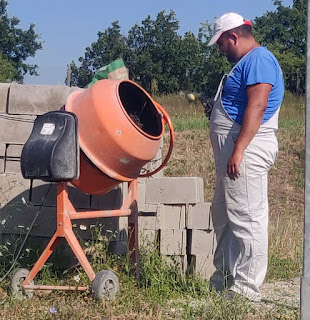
{"x": 66, "y": 213}
{"x": 133, "y": 229}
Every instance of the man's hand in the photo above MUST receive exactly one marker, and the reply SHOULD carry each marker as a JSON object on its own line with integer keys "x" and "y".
{"x": 233, "y": 165}
{"x": 207, "y": 104}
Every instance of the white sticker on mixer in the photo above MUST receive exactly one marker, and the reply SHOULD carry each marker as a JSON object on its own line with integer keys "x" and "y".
{"x": 47, "y": 129}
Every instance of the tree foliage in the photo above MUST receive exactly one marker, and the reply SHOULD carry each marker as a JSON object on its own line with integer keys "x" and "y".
{"x": 163, "y": 61}
{"x": 283, "y": 31}
{"x": 16, "y": 45}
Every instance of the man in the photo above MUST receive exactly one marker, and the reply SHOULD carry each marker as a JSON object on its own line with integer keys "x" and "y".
{"x": 243, "y": 123}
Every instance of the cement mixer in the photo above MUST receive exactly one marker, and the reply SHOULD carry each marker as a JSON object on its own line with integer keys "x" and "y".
{"x": 103, "y": 137}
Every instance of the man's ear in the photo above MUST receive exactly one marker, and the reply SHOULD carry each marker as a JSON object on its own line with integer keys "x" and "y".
{"x": 234, "y": 37}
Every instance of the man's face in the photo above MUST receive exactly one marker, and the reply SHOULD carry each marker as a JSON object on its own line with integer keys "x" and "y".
{"x": 226, "y": 46}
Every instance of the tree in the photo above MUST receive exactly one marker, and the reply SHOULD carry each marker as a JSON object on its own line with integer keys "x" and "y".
{"x": 110, "y": 46}
{"x": 16, "y": 45}
{"x": 7, "y": 70}
{"x": 283, "y": 31}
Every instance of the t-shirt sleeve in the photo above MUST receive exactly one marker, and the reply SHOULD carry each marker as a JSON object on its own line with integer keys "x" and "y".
{"x": 260, "y": 69}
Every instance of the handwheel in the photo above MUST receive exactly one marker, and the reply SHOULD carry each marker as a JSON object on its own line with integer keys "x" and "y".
{"x": 105, "y": 285}
{"x": 16, "y": 288}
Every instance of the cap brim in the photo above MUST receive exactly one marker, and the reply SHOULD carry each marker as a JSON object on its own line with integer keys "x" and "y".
{"x": 214, "y": 39}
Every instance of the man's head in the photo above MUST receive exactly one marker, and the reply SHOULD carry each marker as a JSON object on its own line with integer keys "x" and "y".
{"x": 229, "y": 31}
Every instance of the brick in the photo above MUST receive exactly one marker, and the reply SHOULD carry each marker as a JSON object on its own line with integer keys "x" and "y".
{"x": 171, "y": 216}
{"x": 37, "y": 99}
{"x": 172, "y": 242}
{"x": 174, "y": 190}
{"x": 199, "y": 216}
{"x": 15, "y": 129}
{"x": 200, "y": 242}
{"x": 4, "y": 92}
{"x": 14, "y": 150}
{"x": 202, "y": 265}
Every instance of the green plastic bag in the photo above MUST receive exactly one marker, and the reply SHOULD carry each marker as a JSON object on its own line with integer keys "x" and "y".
{"x": 114, "y": 70}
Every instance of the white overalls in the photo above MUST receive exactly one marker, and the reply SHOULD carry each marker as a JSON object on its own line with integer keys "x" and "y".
{"x": 240, "y": 206}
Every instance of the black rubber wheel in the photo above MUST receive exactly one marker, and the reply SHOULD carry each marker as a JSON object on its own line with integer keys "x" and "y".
{"x": 16, "y": 288}
{"x": 105, "y": 285}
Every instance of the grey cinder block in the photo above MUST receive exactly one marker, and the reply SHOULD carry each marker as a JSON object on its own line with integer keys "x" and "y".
{"x": 13, "y": 187}
{"x": 12, "y": 166}
{"x": 200, "y": 242}
{"x": 1, "y": 166}
{"x": 4, "y": 92}
{"x": 14, "y": 150}
{"x": 2, "y": 149}
{"x": 171, "y": 216}
{"x": 37, "y": 99}
{"x": 199, "y": 216}
{"x": 174, "y": 190}
{"x": 15, "y": 129}
{"x": 172, "y": 242}
{"x": 202, "y": 265}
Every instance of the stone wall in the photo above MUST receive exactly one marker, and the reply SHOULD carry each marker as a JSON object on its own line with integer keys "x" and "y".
{"x": 173, "y": 215}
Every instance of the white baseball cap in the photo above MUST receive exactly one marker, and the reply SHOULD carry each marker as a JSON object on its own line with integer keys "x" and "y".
{"x": 227, "y": 22}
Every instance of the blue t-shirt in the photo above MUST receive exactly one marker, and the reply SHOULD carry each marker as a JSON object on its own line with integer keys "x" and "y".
{"x": 258, "y": 66}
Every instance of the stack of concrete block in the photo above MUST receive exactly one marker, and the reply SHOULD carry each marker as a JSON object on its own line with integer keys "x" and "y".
{"x": 173, "y": 208}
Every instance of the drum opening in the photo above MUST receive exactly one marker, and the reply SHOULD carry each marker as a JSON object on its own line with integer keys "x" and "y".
{"x": 140, "y": 108}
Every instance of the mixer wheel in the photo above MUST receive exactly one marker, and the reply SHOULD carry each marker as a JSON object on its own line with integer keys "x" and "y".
{"x": 16, "y": 288}
{"x": 105, "y": 285}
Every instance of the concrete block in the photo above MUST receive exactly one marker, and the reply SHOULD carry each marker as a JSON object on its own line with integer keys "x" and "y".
{"x": 13, "y": 188}
{"x": 37, "y": 99}
{"x": 4, "y": 93}
{"x": 178, "y": 263}
{"x": 171, "y": 216}
{"x": 111, "y": 200}
{"x": 17, "y": 219}
{"x": 1, "y": 166}
{"x": 148, "y": 208}
{"x": 148, "y": 223}
{"x": 14, "y": 150}
{"x": 148, "y": 240}
{"x": 199, "y": 216}
{"x": 172, "y": 242}
{"x": 200, "y": 242}
{"x": 44, "y": 192}
{"x": 174, "y": 190}
{"x": 201, "y": 265}
{"x": 2, "y": 149}
{"x": 12, "y": 166}
{"x": 141, "y": 192}
{"x": 118, "y": 247}
{"x": 15, "y": 129}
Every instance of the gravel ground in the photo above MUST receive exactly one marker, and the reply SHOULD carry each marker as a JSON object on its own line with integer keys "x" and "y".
{"x": 280, "y": 295}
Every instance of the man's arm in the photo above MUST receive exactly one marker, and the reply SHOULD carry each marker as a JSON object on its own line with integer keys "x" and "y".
{"x": 257, "y": 103}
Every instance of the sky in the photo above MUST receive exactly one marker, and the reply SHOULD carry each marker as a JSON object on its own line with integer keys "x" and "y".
{"x": 67, "y": 27}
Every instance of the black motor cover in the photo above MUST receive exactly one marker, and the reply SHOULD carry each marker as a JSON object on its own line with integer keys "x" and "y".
{"x": 52, "y": 150}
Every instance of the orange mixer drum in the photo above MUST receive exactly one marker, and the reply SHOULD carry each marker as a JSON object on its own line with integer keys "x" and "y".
{"x": 119, "y": 132}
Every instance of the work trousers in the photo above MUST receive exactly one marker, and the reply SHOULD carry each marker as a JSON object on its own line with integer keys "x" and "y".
{"x": 240, "y": 206}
